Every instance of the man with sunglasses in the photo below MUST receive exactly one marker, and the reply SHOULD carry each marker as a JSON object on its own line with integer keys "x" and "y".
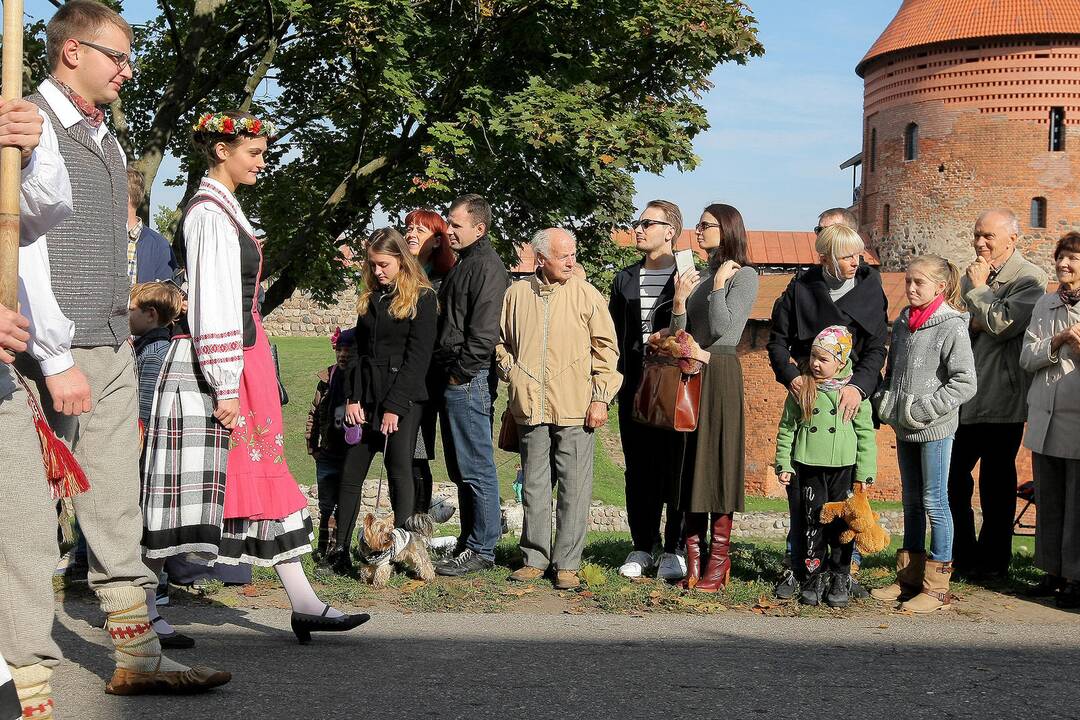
{"x": 641, "y": 298}
{"x": 74, "y": 291}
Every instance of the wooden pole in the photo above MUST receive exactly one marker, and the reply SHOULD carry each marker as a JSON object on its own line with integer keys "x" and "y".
{"x": 11, "y": 158}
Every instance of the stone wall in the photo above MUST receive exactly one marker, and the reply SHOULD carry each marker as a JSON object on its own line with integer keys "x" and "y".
{"x": 302, "y": 316}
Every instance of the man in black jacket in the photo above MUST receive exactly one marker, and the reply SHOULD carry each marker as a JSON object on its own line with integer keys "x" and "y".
{"x": 641, "y": 298}
{"x": 470, "y": 301}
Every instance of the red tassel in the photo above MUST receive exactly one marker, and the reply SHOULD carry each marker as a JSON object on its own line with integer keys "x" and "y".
{"x": 66, "y": 478}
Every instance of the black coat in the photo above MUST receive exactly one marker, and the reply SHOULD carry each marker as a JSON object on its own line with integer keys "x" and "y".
{"x": 625, "y": 309}
{"x": 470, "y": 304}
{"x": 392, "y": 356}
{"x": 805, "y": 309}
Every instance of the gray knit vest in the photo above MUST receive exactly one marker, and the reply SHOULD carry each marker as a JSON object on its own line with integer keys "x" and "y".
{"x": 88, "y": 251}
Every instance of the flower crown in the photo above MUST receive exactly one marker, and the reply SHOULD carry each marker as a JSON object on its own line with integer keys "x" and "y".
{"x": 222, "y": 124}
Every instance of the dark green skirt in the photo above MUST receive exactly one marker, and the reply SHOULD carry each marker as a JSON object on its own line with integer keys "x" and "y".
{"x": 712, "y": 478}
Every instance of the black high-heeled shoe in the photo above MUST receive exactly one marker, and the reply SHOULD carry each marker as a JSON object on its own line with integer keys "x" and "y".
{"x": 303, "y": 624}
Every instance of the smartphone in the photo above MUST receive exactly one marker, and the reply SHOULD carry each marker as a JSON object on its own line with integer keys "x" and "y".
{"x": 684, "y": 260}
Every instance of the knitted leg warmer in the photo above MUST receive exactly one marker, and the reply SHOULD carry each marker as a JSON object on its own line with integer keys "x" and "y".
{"x": 35, "y": 693}
{"x": 128, "y": 624}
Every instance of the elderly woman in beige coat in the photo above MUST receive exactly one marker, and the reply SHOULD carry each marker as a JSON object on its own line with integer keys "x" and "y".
{"x": 1051, "y": 351}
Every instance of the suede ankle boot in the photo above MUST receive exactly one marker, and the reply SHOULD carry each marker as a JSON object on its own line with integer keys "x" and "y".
{"x": 909, "y": 575}
{"x": 695, "y": 557}
{"x": 718, "y": 570}
{"x": 935, "y": 589}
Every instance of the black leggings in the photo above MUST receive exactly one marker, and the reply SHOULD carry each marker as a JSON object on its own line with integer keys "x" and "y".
{"x": 815, "y": 487}
{"x": 399, "y": 474}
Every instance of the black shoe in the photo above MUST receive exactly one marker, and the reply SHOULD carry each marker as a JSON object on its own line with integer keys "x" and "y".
{"x": 839, "y": 594}
{"x": 339, "y": 562}
{"x": 1069, "y": 597}
{"x": 787, "y": 587}
{"x": 858, "y": 591}
{"x": 174, "y": 640}
{"x": 812, "y": 589}
{"x": 1048, "y": 586}
{"x": 303, "y": 624}
{"x": 464, "y": 563}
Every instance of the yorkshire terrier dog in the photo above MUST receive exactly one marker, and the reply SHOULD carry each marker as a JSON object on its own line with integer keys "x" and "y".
{"x": 382, "y": 544}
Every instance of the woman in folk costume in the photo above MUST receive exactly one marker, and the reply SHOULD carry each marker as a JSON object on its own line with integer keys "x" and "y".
{"x": 215, "y": 478}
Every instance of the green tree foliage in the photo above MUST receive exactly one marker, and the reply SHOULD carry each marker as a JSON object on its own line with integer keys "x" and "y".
{"x": 546, "y": 107}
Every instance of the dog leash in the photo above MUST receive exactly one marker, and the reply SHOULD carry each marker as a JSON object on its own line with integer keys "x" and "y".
{"x": 382, "y": 474}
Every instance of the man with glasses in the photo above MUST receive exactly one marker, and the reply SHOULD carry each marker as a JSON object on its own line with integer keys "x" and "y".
{"x": 74, "y": 289}
{"x": 640, "y": 305}
{"x": 841, "y": 290}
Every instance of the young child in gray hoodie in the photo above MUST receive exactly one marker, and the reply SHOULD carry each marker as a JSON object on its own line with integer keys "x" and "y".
{"x": 930, "y": 374}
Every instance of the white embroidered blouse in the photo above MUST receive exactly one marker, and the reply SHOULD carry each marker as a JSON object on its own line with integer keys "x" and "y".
{"x": 215, "y": 315}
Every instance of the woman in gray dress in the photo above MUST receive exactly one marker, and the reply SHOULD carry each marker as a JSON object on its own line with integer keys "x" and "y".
{"x": 714, "y": 309}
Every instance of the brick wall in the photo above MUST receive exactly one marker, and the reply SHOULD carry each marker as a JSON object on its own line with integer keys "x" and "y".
{"x": 982, "y": 110}
{"x": 764, "y": 401}
{"x": 302, "y": 316}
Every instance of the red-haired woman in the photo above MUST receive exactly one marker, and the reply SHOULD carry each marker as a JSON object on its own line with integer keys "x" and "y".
{"x": 425, "y": 235}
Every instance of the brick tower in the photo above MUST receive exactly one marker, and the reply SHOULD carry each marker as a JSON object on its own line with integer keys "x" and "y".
{"x": 971, "y": 104}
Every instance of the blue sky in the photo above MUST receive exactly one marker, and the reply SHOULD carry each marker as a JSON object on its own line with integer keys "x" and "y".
{"x": 780, "y": 125}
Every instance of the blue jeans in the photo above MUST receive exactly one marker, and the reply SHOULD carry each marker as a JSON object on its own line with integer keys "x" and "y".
{"x": 924, "y": 475}
{"x": 470, "y": 415}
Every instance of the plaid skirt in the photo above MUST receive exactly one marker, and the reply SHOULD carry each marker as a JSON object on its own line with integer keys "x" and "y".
{"x": 184, "y": 474}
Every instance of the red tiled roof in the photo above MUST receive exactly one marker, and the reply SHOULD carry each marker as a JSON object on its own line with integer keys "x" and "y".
{"x": 922, "y": 22}
{"x": 771, "y": 287}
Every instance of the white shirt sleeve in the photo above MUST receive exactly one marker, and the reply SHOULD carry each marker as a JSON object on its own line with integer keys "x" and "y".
{"x": 214, "y": 298}
{"x": 45, "y": 201}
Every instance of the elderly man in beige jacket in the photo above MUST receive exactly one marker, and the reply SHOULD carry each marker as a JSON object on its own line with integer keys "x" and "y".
{"x": 557, "y": 350}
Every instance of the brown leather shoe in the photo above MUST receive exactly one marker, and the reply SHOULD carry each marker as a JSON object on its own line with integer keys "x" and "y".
{"x": 195, "y": 680}
{"x": 526, "y": 573}
{"x": 567, "y": 580}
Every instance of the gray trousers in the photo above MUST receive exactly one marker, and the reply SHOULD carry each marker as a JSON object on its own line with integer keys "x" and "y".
{"x": 106, "y": 443}
{"x": 1057, "y": 525}
{"x": 562, "y": 457}
{"x": 28, "y": 550}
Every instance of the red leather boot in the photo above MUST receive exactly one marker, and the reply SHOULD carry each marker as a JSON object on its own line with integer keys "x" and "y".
{"x": 715, "y": 576}
{"x": 695, "y": 524}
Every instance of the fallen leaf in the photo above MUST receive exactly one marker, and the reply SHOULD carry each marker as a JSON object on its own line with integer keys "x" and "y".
{"x": 520, "y": 591}
{"x": 411, "y": 586}
{"x": 593, "y": 575}
{"x": 585, "y": 594}
{"x": 250, "y": 591}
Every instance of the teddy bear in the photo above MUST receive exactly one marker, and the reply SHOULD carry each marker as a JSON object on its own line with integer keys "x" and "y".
{"x": 861, "y": 520}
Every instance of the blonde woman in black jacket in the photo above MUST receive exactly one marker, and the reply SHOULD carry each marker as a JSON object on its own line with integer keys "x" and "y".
{"x": 386, "y": 388}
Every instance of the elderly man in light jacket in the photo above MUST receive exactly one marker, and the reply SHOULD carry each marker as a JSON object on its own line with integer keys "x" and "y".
{"x": 557, "y": 350}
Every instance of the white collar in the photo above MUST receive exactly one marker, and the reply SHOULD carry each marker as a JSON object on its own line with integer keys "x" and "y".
{"x": 216, "y": 190}
{"x": 65, "y": 110}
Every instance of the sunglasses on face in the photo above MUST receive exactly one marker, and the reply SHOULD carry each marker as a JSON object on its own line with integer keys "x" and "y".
{"x": 646, "y": 224}
{"x": 703, "y": 226}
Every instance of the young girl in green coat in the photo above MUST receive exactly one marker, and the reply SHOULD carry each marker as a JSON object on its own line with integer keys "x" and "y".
{"x": 823, "y": 456}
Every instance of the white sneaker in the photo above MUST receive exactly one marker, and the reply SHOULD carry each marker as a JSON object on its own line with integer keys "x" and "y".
{"x": 636, "y": 564}
{"x": 441, "y": 510}
{"x": 672, "y": 567}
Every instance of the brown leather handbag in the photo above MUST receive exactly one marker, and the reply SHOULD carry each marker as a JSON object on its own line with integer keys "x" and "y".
{"x": 668, "y": 397}
{"x": 508, "y": 433}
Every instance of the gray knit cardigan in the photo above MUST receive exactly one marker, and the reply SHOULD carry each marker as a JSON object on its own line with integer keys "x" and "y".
{"x": 931, "y": 373}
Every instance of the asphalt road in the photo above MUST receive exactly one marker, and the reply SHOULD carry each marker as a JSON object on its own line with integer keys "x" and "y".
{"x": 732, "y": 665}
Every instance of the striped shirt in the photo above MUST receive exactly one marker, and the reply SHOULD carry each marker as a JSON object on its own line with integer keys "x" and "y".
{"x": 651, "y": 284}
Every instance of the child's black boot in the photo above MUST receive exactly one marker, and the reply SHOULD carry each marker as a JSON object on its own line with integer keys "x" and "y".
{"x": 813, "y": 588}
{"x": 839, "y": 595}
